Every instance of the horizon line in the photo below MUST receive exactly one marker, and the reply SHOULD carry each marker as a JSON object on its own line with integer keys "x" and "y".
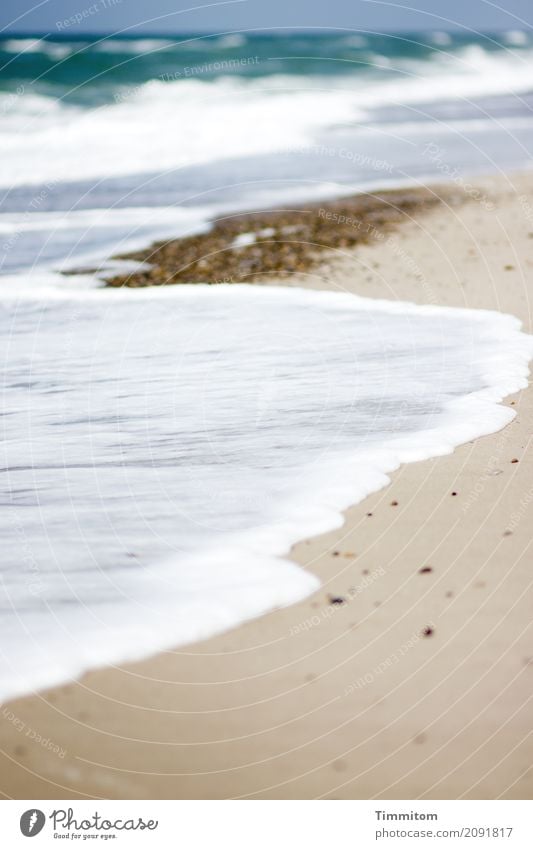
{"x": 265, "y": 30}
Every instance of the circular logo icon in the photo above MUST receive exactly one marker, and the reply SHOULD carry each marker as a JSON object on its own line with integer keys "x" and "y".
{"x": 32, "y": 822}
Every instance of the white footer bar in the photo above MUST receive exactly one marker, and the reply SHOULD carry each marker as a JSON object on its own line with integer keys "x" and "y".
{"x": 268, "y": 824}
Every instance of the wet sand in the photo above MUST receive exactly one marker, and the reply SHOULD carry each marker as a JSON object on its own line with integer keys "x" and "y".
{"x": 409, "y": 674}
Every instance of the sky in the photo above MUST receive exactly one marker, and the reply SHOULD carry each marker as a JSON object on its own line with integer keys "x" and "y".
{"x": 167, "y": 16}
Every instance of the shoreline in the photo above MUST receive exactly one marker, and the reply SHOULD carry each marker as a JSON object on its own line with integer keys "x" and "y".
{"x": 300, "y": 683}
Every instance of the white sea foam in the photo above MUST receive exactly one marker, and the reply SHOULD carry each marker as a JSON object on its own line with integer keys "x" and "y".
{"x": 137, "y": 46}
{"x": 516, "y": 37}
{"x": 169, "y": 125}
{"x": 20, "y": 46}
{"x": 162, "y": 449}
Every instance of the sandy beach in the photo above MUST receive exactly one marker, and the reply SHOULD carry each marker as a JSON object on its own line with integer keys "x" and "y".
{"x": 409, "y": 674}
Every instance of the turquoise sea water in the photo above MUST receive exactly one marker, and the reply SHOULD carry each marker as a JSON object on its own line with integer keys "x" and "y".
{"x": 162, "y": 133}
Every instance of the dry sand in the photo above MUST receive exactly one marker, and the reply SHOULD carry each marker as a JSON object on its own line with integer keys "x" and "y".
{"x": 349, "y": 700}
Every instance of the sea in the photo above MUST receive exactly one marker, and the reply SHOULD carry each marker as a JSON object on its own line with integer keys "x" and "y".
{"x": 163, "y": 449}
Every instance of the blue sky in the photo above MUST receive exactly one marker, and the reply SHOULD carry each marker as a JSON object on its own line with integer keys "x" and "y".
{"x": 166, "y": 16}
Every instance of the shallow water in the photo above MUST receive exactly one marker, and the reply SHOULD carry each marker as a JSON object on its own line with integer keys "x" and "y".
{"x": 160, "y": 448}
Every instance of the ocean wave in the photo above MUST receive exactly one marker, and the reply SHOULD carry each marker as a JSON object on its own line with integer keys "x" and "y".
{"x": 169, "y": 125}
{"x": 175, "y": 122}
{"x": 229, "y": 41}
